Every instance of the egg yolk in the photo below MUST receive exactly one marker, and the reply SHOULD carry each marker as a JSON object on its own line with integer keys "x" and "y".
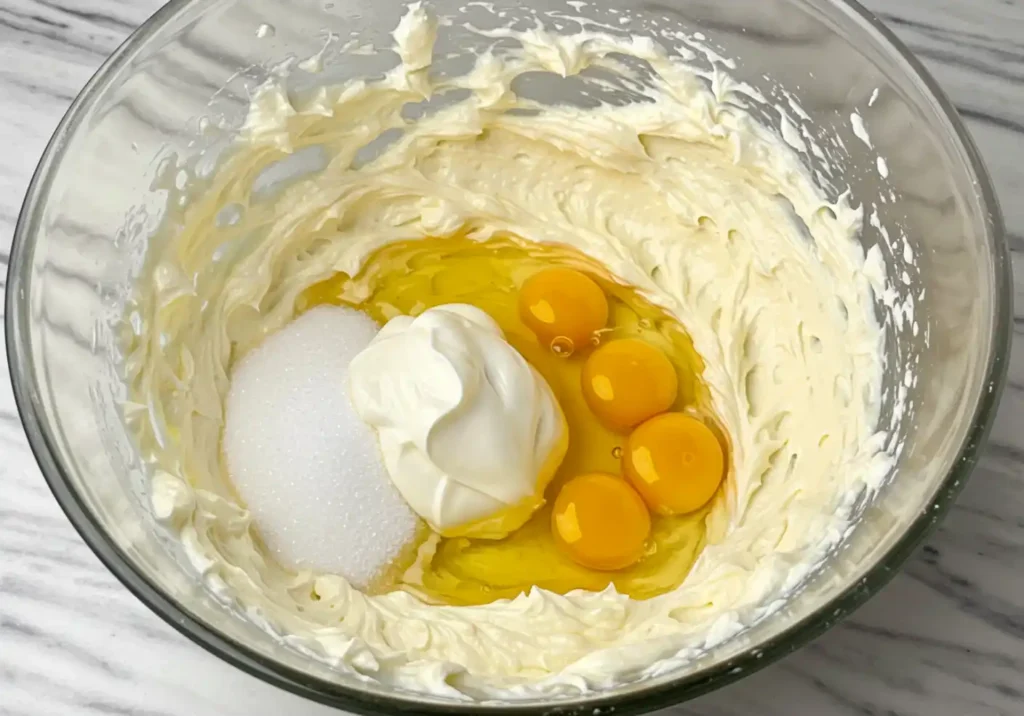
{"x": 561, "y": 304}
{"x": 628, "y": 381}
{"x": 600, "y": 521}
{"x": 675, "y": 462}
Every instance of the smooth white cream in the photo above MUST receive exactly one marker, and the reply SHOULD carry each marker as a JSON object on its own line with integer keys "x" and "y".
{"x": 683, "y": 195}
{"x": 471, "y": 433}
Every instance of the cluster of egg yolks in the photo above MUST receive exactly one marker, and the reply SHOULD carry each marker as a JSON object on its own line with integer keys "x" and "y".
{"x": 675, "y": 462}
{"x": 600, "y": 521}
{"x": 628, "y": 381}
{"x": 562, "y": 304}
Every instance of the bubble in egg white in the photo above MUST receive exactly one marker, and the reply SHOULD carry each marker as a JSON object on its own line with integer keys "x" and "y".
{"x": 307, "y": 467}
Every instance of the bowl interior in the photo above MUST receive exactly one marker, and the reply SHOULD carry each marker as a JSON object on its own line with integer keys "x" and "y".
{"x": 101, "y": 188}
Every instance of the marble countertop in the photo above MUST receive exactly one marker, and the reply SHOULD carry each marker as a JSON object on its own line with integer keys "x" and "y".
{"x": 945, "y": 638}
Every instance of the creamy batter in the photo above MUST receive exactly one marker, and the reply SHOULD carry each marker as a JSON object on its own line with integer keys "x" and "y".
{"x": 684, "y": 196}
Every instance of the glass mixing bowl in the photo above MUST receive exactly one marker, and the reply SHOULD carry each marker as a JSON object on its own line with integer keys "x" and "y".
{"x": 93, "y": 203}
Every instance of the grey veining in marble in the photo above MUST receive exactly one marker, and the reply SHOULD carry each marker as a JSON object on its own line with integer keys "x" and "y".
{"x": 946, "y": 638}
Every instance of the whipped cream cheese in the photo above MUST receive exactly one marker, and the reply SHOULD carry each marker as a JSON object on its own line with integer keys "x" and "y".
{"x": 471, "y": 433}
{"x": 684, "y": 195}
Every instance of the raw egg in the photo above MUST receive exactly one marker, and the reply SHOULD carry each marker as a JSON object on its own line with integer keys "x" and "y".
{"x": 628, "y": 381}
{"x": 675, "y": 462}
{"x": 563, "y": 307}
{"x": 600, "y": 521}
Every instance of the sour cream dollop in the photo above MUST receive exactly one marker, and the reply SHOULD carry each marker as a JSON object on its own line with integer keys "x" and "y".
{"x": 470, "y": 432}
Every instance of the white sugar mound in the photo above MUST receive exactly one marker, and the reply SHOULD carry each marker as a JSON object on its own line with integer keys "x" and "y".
{"x": 306, "y": 465}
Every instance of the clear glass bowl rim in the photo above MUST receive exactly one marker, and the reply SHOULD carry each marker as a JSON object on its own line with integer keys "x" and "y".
{"x": 42, "y": 442}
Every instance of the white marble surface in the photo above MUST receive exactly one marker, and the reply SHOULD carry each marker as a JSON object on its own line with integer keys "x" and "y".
{"x": 946, "y": 638}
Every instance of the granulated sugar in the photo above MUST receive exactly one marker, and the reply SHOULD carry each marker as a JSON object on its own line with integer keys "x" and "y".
{"x": 306, "y": 466}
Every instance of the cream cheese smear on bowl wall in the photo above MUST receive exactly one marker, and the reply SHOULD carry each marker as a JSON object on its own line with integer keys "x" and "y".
{"x": 538, "y": 399}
